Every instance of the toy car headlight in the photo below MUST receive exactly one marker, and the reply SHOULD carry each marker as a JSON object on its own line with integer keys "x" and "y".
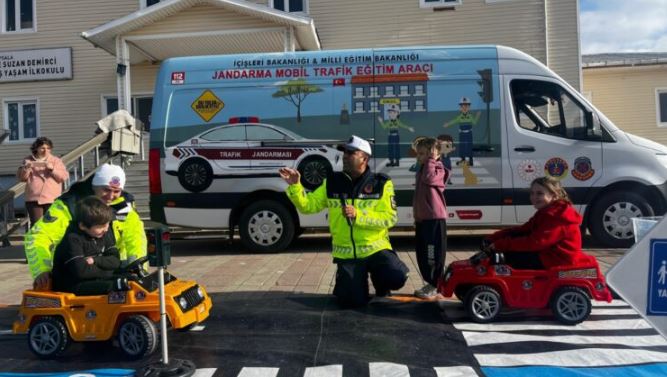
{"x": 183, "y": 303}
{"x": 200, "y": 292}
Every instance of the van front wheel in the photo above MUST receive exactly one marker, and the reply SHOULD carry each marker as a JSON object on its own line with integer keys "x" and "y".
{"x": 266, "y": 226}
{"x": 611, "y": 218}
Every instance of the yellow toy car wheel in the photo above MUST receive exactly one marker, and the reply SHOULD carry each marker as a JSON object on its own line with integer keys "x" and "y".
{"x": 137, "y": 336}
{"x": 48, "y": 337}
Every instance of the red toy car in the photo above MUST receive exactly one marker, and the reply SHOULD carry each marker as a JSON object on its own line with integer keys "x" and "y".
{"x": 485, "y": 284}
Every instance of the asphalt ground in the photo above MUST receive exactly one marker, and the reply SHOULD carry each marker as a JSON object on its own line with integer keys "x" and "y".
{"x": 274, "y": 313}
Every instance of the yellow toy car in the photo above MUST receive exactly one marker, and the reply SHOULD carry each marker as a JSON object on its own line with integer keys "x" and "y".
{"x": 53, "y": 320}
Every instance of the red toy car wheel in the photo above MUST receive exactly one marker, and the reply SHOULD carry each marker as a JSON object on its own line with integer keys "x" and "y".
{"x": 571, "y": 305}
{"x": 483, "y": 304}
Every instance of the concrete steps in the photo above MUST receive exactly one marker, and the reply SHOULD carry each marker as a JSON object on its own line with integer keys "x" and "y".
{"x": 137, "y": 185}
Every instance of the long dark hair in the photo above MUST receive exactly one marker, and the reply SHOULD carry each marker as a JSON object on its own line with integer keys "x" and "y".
{"x": 39, "y": 142}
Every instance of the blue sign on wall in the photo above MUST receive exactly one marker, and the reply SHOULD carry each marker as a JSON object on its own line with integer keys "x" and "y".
{"x": 657, "y": 278}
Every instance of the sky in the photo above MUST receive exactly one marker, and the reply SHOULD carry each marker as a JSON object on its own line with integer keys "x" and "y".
{"x": 623, "y": 26}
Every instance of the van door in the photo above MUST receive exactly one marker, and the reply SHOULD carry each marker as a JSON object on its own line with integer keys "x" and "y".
{"x": 550, "y": 132}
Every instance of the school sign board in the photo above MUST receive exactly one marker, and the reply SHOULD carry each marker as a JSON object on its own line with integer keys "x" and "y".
{"x": 640, "y": 277}
{"x": 36, "y": 65}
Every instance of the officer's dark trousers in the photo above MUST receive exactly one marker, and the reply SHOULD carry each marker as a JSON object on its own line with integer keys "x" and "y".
{"x": 387, "y": 272}
{"x": 431, "y": 246}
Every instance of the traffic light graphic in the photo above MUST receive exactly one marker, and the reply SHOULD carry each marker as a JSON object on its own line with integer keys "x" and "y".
{"x": 485, "y": 85}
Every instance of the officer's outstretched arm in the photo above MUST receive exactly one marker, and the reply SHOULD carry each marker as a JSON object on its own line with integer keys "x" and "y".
{"x": 312, "y": 202}
{"x": 42, "y": 239}
{"x": 383, "y": 214}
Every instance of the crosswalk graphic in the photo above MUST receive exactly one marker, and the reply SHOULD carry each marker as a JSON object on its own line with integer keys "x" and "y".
{"x": 615, "y": 339}
{"x": 374, "y": 370}
{"x": 614, "y": 342}
{"x": 477, "y": 175}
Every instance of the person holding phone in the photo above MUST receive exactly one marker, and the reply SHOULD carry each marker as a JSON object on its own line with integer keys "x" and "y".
{"x": 44, "y": 175}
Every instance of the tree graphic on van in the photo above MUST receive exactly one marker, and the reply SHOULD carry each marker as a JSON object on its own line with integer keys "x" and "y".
{"x": 295, "y": 92}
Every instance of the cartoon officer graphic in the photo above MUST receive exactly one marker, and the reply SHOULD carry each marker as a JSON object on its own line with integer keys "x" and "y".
{"x": 393, "y": 124}
{"x": 465, "y": 121}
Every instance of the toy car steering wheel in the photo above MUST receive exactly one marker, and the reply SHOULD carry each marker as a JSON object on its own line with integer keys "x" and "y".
{"x": 135, "y": 266}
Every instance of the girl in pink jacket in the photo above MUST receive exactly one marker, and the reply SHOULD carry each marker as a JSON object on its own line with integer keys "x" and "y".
{"x": 430, "y": 214}
{"x": 44, "y": 175}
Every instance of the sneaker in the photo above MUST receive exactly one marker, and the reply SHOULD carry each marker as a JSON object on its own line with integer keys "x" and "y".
{"x": 427, "y": 291}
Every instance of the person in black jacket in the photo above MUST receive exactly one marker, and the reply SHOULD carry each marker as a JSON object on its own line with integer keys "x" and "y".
{"x": 85, "y": 260}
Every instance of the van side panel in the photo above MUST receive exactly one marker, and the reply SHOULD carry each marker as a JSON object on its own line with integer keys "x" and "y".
{"x": 223, "y": 125}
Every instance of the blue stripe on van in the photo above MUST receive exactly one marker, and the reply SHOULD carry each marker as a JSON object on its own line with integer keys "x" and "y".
{"x": 646, "y": 370}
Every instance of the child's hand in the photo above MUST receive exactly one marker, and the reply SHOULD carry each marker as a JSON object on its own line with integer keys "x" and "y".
{"x": 90, "y": 260}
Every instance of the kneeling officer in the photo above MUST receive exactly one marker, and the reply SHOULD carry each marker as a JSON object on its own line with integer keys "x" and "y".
{"x": 362, "y": 208}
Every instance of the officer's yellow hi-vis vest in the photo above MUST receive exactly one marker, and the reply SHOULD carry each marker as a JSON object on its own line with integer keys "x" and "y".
{"x": 372, "y": 196}
{"x": 41, "y": 240}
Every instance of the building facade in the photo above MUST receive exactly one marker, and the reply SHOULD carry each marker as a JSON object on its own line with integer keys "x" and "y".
{"x": 64, "y": 65}
{"x": 630, "y": 89}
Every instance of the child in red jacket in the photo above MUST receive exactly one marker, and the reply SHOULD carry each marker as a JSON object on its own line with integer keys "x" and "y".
{"x": 551, "y": 237}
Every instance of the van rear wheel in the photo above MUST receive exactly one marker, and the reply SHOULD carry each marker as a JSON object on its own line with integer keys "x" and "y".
{"x": 267, "y": 226}
{"x": 611, "y": 218}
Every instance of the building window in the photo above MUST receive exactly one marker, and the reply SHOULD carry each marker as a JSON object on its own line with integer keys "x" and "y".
{"x": 661, "y": 104}
{"x": 419, "y": 90}
{"x": 290, "y": 5}
{"x": 403, "y": 91}
{"x": 18, "y": 15}
{"x": 374, "y": 107}
{"x": 359, "y": 92}
{"x": 359, "y": 107}
{"x": 405, "y": 105}
{"x": 389, "y": 91}
{"x": 148, "y": 3}
{"x": 374, "y": 92}
{"x": 438, "y": 3}
{"x": 140, "y": 108}
{"x": 419, "y": 105}
{"x": 21, "y": 119}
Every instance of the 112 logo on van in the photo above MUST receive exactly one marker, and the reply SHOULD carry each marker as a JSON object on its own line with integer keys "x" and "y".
{"x": 177, "y": 78}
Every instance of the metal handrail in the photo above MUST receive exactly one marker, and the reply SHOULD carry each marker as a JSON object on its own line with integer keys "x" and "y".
{"x": 75, "y": 165}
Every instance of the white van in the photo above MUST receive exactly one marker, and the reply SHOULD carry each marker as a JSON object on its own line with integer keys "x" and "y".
{"x": 223, "y": 125}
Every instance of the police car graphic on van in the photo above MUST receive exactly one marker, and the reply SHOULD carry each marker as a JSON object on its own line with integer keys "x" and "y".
{"x": 247, "y": 148}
